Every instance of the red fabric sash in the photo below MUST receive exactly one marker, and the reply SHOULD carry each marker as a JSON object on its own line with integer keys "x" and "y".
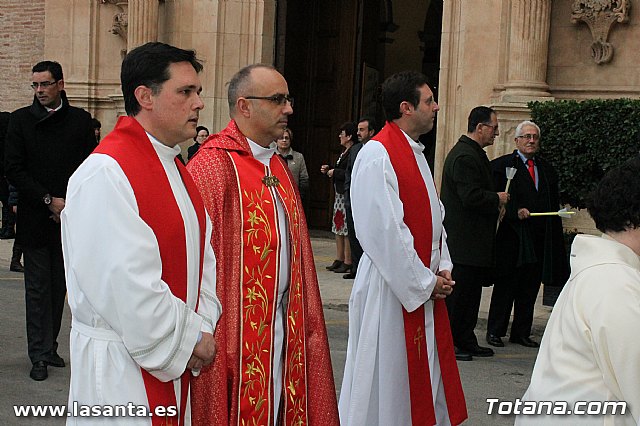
{"x": 259, "y": 292}
{"x": 417, "y": 216}
{"x": 129, "y": 145}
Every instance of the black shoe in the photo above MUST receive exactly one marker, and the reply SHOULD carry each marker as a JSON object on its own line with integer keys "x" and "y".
{"x": 7, "y": 235}
{"x": 462, "y": 355}
{"x": 39, "y": 371}
{"x": 343, "y": 268}
{"x": 478, "y": 350}
{"x": 524, "y": 341}
{"x": 336, "y": 263}
{"x": 494, "y": 340}
{"x": 55, "y": 360}
{"x": 16, "y": 266}
{"x": 349, "y": 276}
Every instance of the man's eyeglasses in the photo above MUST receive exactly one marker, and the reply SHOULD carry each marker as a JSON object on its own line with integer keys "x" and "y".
{"x": 529, "y": 136}
{"x": 44, "y": 84}
{"x": 495, "y": 128}
{"x": 279, "y": 99}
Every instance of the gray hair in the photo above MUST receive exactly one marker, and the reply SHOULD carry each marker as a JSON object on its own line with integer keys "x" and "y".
{"x": 526, "y": 123}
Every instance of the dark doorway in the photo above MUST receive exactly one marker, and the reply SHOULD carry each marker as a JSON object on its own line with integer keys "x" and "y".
{"x": 333, "y": 55}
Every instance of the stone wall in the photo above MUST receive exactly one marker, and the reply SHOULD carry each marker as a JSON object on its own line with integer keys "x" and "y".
{"x": 574, "y": 74}
{"x": 21, "y": 46}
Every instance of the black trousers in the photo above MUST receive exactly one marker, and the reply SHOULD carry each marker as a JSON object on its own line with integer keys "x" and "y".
{"x": 45, "y": 289}
{"x": 464, "y": 302}
{"x": 518, "y": 289}
{"x": 356, "y": 248}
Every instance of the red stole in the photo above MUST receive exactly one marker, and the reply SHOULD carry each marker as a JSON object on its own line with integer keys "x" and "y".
{"x": 129, "y": 145}
{"x": 417, "y": 216}
{"x": 260, "y": 266}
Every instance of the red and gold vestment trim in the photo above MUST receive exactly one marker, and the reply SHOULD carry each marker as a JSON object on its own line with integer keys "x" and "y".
{"x": 258, "y": 188}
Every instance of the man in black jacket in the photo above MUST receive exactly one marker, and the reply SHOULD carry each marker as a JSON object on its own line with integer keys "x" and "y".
{"x": 472, "y": 206}
{"x": 366, "y": 130}
{"x": 45, "y": 143}
{"x": 529, "y": 249}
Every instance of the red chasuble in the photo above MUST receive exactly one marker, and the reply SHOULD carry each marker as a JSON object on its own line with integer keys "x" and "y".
{"x": 417, "y": 216}
{"x": 129, "y": 145}
{"x": 240, "y": 194}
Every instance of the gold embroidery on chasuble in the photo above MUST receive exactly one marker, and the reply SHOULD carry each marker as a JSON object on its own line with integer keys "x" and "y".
{"x": 295, "y": 375}
{"x": 259, "y": 292}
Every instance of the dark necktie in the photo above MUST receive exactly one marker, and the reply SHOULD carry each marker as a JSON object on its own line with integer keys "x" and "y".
{"x": 286, "y": 157}
{"x": 532, "y": 170}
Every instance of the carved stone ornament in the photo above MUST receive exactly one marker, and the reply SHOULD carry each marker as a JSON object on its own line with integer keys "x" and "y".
{"x": 600, "y": 15}
{"x": 120, "y": 19}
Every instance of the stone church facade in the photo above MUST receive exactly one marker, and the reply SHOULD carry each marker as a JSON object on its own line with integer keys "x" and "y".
{"x": 334, "y": 54}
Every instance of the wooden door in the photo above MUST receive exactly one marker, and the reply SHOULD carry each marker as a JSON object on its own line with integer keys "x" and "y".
{"x": 320, "y": 66}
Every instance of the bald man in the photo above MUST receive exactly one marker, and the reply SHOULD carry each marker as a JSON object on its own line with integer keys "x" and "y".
{"x": 273, "y": 365}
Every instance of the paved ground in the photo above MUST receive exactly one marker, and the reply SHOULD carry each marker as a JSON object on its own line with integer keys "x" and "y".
{"x": 504, "y": 376}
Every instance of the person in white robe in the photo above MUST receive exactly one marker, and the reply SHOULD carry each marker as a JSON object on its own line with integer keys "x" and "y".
{"x": 126, "y": 318}
{"x": 590, "y": 351}
{"x": 375, "y": 388}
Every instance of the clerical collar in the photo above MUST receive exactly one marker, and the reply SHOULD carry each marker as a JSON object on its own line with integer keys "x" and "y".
{"x": 522, "y": 157}
{"x": 163, "y": 150}
{"x": 261, "y": 153}
{"x": 413, "y": 144}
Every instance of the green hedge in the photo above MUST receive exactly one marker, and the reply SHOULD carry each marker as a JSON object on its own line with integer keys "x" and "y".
{"x": 585, "y": 139}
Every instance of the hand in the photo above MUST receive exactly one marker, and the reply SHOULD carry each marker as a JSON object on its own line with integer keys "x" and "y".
{"x": 324, "y": 168}
{"x": 194, "y": 363}
{"x": 523, "y": 214}
{"x": 444, "y": 286}
{"x": 501, "y": 214}
{"x": 504, "y": 197}
{"x": 330, "y": 173}
{"x": 445, "y": 274}
{"x": 205, "y": 349}
{"x": 56, "y": 206}
{"x": 15, "y": 209}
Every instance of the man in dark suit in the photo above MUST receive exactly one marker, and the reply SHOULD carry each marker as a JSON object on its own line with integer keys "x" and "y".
{"x": 529, "y": 249}
{"x": 472, "y": 206}
{"x": 45, "y": 143}
{"x": 366, "y": 130}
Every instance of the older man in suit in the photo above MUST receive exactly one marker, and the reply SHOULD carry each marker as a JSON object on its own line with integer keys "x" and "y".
{"x": 529, "y": 249}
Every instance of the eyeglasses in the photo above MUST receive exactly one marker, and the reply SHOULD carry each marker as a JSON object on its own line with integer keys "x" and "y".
{"x": 279, "y": 99}
{"x": 44, "y": 84}
{"x": 529, "y": 136}
{"x": 495, "y": 128}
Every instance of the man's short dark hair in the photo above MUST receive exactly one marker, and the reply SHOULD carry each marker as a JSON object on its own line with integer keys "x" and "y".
{"x": 52, "y": 66}
{"x": 95, "y": 123}
{"x": 401, "y": 87}
{"x": 148, "y": 65}
{"x": 480, "y": 114}
{"x": 371, "y": 122}
{"x": 615, "y": 203}
{"x": 239, "y": 83}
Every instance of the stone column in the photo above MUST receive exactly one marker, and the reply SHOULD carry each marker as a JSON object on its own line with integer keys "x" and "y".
{"x": 528, "y": 50}
{"x": 143, "y": 22}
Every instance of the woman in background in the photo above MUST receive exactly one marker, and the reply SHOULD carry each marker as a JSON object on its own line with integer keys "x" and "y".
{"x": 347, "y": 136}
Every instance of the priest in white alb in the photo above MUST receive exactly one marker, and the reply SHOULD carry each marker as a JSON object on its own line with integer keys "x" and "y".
{"x": 400, "y": 367}
{"x": 140, "y": 270}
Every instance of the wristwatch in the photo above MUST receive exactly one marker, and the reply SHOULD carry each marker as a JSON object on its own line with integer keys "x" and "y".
{"x": 47, "y": 199}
